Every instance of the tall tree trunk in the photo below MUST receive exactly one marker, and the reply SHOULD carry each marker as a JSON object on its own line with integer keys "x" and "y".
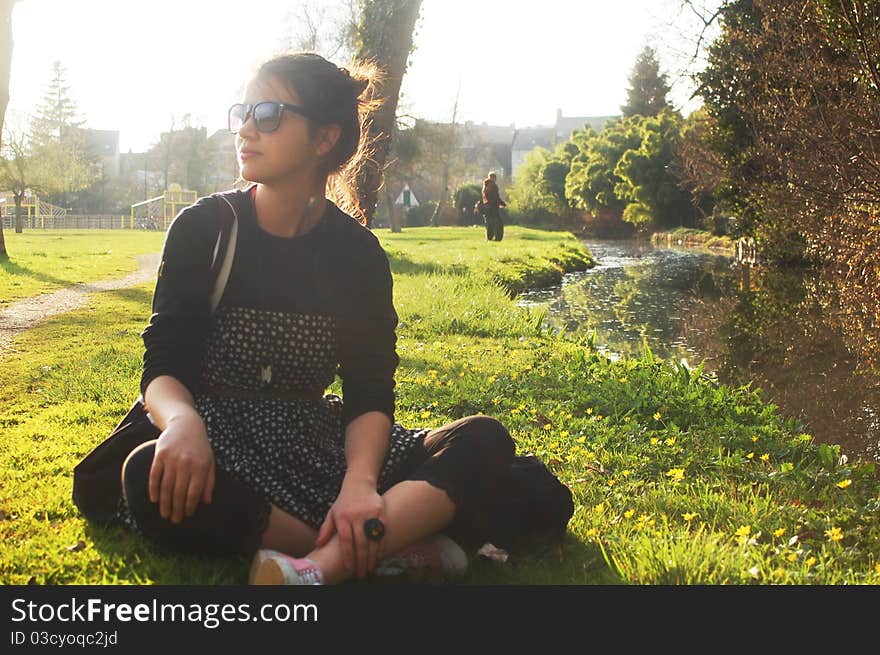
{"x": 395, "y": 220}
{"x": 444, "y": 183}
{"x": 385, "y": 35}
{"x": 5, "y": 69}
{"x": 18, "y": 217}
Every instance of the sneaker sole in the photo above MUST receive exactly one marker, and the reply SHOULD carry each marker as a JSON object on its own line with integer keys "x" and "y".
{"x": 265, "y": 571}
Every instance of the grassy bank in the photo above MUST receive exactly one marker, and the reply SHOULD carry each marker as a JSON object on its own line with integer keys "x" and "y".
{"x": 685, "y": 236}
{"x": 676, "y": 479}
{"x": 41, "y": 261}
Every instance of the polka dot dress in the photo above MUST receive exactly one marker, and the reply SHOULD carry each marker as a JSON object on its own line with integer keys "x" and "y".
{"x": 291, "y": 451}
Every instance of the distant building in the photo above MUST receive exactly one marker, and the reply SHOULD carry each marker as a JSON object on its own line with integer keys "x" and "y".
{"x": 529, "y": 138}
{"x": 104, "y": 146}
{"x": 223, "y": 170}
{"x": 407, "y": 198}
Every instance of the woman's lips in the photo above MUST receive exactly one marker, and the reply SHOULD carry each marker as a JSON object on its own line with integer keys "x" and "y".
{"x": 247, "y": 154}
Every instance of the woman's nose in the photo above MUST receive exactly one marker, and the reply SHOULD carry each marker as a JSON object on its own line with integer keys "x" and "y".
{"x": 248, "y": 129}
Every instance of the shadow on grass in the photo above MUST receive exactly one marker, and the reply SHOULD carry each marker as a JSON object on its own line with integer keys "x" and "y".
{"x": 134, "y": 295}
{"x": 145, "y": 560}
{"x": 12, "y": 268}
{"x": 402, "y": 264}
{"x": 570, "y": 562}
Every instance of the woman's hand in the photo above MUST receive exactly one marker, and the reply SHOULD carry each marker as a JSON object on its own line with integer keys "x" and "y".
{"x": 358, "y": 501}
{"x": 183, "y": 468}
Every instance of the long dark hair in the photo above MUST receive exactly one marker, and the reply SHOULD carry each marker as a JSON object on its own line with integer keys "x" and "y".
{"x": 333, "y": 95}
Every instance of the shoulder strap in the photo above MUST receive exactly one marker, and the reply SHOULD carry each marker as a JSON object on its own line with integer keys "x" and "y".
{"x": 220, "y": 267}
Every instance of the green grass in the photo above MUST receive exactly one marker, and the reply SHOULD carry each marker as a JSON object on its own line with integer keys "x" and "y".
{"x": 41, "y": 261}
{"x": 676, "y": 479}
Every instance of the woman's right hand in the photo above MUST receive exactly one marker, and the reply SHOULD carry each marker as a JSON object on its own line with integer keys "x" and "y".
{"x": 182, "y": 473}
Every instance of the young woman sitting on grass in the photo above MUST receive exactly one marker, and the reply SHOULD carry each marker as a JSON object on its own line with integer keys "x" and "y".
{"x": 253, "y": 457}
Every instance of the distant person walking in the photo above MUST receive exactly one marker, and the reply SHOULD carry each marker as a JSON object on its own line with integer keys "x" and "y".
{"x": 492, "y": 202}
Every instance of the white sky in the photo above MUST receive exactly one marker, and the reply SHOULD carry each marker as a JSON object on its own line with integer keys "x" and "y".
{"x": 131, "y": 65}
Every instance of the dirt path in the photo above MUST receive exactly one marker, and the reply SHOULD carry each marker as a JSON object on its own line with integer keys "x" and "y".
{"x": 28, "y": 312}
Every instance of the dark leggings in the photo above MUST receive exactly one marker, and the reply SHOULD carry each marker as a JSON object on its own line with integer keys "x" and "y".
{"x": 466, "y": 458}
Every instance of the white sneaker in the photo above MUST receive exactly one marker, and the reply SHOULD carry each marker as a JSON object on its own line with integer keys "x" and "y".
{"x": 271, "y": 567}
{"x": 437, "y": 553}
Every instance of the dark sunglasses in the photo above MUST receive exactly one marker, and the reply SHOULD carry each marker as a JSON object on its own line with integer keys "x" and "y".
{"x": 267, "y": 115}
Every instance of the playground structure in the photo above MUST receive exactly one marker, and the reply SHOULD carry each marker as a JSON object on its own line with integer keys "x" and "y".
{"x": 36, "y": 213}
{"x": 157, "y": 213}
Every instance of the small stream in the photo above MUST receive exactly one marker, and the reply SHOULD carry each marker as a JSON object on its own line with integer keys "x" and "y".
{"x": 693, "y": 305}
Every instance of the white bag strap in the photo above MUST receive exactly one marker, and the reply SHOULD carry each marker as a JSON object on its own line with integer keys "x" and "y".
{"x": 229, "y": 255}
{"x": 223, "y": 274}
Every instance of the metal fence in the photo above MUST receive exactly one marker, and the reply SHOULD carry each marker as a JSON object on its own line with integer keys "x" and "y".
{"x": 84, "y": 222}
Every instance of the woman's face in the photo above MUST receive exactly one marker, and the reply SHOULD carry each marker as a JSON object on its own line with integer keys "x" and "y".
{"x": 286, "y": 153}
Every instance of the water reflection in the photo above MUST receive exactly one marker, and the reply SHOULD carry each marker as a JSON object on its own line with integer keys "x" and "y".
{"x": 774, "y": 333}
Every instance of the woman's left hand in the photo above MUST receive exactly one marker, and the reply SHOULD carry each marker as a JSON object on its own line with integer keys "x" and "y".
{"x": 357, "y": 502}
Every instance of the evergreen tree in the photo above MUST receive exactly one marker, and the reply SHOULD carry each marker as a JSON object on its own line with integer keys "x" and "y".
{"x": 58, "y": 143}
{"x": 648, "y": 87}
{"x": 57, "y": 112}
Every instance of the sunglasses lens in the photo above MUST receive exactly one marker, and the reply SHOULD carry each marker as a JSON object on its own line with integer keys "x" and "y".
{"x": 237, "y": 114}
{"x": 267, "y": 116}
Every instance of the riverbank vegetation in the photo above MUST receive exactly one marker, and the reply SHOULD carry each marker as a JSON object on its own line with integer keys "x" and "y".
{"x": 684, "y": 236}
{"x": 784, "y": 150}
{"x": 676, "y": 478}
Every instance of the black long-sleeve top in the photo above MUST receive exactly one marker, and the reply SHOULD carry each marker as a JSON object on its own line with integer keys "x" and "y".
{"x": 336, "y": 269}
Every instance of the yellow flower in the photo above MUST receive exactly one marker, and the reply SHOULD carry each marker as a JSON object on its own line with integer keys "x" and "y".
{"x": 564, "y": 434}
{"x": 676, "y": 474}
{"x": 513, "y": 375}
{"x": 690, "y": 516}
{"x": 434, "y": 404}
{"x": 589, "y": 410}
{"x": 751, "y": 456}
{"x": 778, "y": 533}
{"x": 670, "y": 441}
{"x": 843, "y": 484}
{"x": 426, "y": 414}
{"x": 626, "y": 419}
{"x": 765, "y": 457}
{"x": 592, "y": 532}
{"x": 742, "y": 534}
{"x": 623, "y": 380}
{"x": 612, "y": 482}
{"x": 628, "y": 514}
{"x": 657, "y": 416}
{"x": 791, "y": 557}
{"x": 754, "y": 439}
{"x": 835, "y": 534}
{"x": 514, "y": 411}
{"x": 810, "y": 561}
{"x": 581, "y": 440}
{"x": 654, "y": 441}
{"x": 491, "y": 379}
{"x": 547, "y": 426}
{"x": 599, "y": 509}
{"x": 496, "y": 400}
{"x": 625, "y": 473}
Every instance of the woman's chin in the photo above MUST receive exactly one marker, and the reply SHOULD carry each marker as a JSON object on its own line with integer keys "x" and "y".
{"x": 250, "y": 174}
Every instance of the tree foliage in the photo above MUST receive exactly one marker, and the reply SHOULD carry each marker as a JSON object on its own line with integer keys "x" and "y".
{"x": 792, "y": 100}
